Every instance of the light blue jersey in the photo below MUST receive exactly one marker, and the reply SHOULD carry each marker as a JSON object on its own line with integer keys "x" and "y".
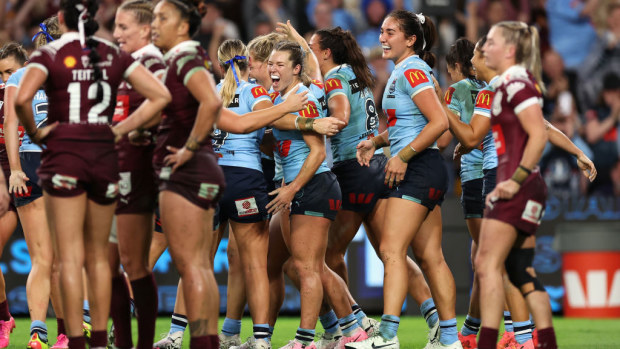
{"x": 241, "y": 150}
{"x": 461, "y": 98}
{"x": 484, "y": 101}
{"x": 39, "y": 109}
{"x": 363, "y": 120}
{"x": 405, "y": 121}
{"x": 291, "y": 149}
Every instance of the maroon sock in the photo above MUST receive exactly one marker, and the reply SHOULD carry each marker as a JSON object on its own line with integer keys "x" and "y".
{"x": 99, "y": 339}
{"x": 546, "y": 338}
{"x": 215, "y": 341}
{"x": 487, "y": 338}
{"x": 60, "y": 325}
{"x": 120, "y": 311}
{"x": 4, "y": 311}
{"x": 202, "y": 342}
{"x": 77, "y": 342}
{"x": 145, "y": 300}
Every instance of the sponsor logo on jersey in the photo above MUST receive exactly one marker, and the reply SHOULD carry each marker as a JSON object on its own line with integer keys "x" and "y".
{"x": 273, "y": 96}
{"x": 533, "y": 212}
{"x": 124, "y": 185}
{"x": 259, "y": 91}
{"x": 311, "y": 111}
{"x": 391, "y": 114}
{"x": 498, "y": 137}
{"x": 121, "y": 111}
{"x": 318, "y": 83}
{"x": 448, "y": 95}
{"x": 355, "y": 86}
{"x": 484, "y": 99}
{"x": 70, "y": 62}
{"x": 234, "y": 103}
{"x": 64, "y": 182}
{"x": 246, "y": 207}
{"x": 416, "y": 77}
{"x": 332, "y": 84}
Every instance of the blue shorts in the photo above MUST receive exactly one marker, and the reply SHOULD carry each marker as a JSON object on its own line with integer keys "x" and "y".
{"x": 320, "y": 197}
{"x": 426, "y": 180}
{"x": 245, "y": 199}
{"x": 30, "y": 163}
{"x": 269, "y": 170}
{"x": 361, "y": 186}
{"x": 475, "y": 193}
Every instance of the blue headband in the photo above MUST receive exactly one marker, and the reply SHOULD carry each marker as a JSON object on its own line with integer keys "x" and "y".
{"x": 231, "y": 61}
{"x": 43, "y": 31}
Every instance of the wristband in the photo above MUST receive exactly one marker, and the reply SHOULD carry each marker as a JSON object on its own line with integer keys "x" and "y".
{"x": 378, "y": 142}
{"x": 305, "y": 124}
{"x": 521, "y": 174}
{"x": 297, "y": 122}
{"x": 407, "y": 153}
{"x": 192, "y": 145}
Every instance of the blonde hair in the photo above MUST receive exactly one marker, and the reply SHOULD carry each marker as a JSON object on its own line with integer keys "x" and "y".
{"x": 262, "y": 46}
{"x": 142, "y": 9}
{"x": 53, "y": 30}
{"x": 527, "y": 44}
{"x": 229, "y": 55}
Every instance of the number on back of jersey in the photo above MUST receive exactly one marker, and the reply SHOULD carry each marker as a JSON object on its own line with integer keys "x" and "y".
{"x": 219, "y": 137}
{"x": 372, "y": 119}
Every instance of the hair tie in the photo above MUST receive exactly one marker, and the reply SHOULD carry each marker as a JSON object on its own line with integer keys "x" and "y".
{"x": 43, "y": 31}
{"x": 232, "y": 66}
{"x": 422, "y": 19}
{"x": 83, "y": 17}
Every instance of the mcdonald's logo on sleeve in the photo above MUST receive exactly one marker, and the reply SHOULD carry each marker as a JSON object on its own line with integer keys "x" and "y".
{"x": 448, "y": 96}
{"x": 332, "y": 84}
{"x": 273, "y": 96}
{"x": 318, "y": 83}
{"x": 259, "y": 91}
{"x": 416, "y": 77}
{"x": 311, "y": 111}
{"x": 484, "y": 99}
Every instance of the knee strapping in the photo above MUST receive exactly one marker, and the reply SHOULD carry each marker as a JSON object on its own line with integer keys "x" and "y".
{"x": 517, "y": 264}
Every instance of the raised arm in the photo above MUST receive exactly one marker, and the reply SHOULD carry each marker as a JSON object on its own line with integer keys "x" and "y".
{"x": 312, "y": 63}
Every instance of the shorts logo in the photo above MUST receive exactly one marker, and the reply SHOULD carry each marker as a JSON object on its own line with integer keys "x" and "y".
{"x": 112, "y": 191}
{"x": 416, "y": 77}
{"x": 124, "y": 185}
{"x": 208, "y": 191}
{"x": 448, "y": 96}
{"x": 64, "y": 182}
{"x": 533, "y": 212}
{"x": 434, "y": 194}
{"x": 26, "y": 194}
{"x": 259, "y": 91}
{"x": 165, "y": 173}
{"x": 246, "y": 207}
{"x": 335, "y": 205}
{"x": 332, "y": 84}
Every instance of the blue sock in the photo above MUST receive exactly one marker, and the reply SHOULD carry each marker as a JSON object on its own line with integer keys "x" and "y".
{"x": 329, "y": 321}
{"x": 523, "y": 331}
{"x": 304, "y": 336}
{"x": 429, "y": 312}
{"x": 178, "y": 323}
{"x": 508, "y": 322}
{"x": 448, "y": 333}
{"x": 231, "y": 327}
{"x": 348, "y": 324}
{"x": 389, "y": 326}
{"x": 359, "y": 314}
{"x": 40, "y": 328}
{"x": 271, "y": 328}
{"x": 86, "y": 310}
{"x": 261, "y": 331}
{"x": 471, "y": 326}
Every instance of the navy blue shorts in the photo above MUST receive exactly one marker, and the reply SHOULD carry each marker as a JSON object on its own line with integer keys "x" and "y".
{"x": 30, "y": 163}
{"x": 426, "y": 180}
{"x": 269, "y": 170}
{"x": 471, "y": 198}
{"x": 320, "y": 197}
{"x": 490, "y": 179}
{"x": 245, "y": 199}
{"x": 362, "y": 186}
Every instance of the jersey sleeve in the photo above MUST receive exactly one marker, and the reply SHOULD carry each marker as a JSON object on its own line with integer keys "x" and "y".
{"x": 15, "y": 78}
{"x": 413, "y": 81}
{"x": 41, "y": 60}
{"x": 336, "y": 86}
{"x": 128, "y": 63}
{"x": 154, "y": 64}
{"x": 521, "y": 94}
{"x": 453, "y": 102}
{"x": 484, "y": 100}
{"x": 187, "y": 66}
{"x": 255, "y": 94}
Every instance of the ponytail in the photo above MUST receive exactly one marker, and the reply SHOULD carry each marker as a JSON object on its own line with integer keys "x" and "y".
{"x": 49, "y": 31}
{"x": 461, "y": 52}
{"x": 233, "y": 57}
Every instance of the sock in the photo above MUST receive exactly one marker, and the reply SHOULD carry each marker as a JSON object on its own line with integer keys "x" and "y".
{"x": 215, "y": 341}
{"x": 508, "y": 322}
{"x": 77, "y": 342}
{"x": 471, "y": 326}
{"x": 40, "y": 328}
{"x": 261, "y": 331}
{"x": 271, "y": 328}
{"x": 304, "y": 336}
{"x": 359, "y": 314}
{"x": 5, "y": 315}
{"x": 231, "y": 327}
{"x": 120, "y": 312}
{"x": 523, "y": 331}
{"x": 146, "y": 306}
{"x": 60, "y": 326}
{"x": 86, "y": 310}
{"x": 448, "y": 333}
{"x": 487, "y": 338}
{"x": 389, "y": 326}
{"x": 178, "y": 323}
{"x": 348, "y": 324}
{"x": 99, "y": 339}
{"x": 428, "y": 310}
{"x": 546, "y": 338}
{"x": 202, "y": 342}
{"x": 329, "y": 321}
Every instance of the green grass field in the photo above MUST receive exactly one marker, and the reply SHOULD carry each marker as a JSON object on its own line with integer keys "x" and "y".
{"x": 572, "y": 333}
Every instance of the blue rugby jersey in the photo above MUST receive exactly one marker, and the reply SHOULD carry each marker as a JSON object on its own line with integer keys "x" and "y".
{"x": 39, "y": 109}
{"x": 484, "y": 101}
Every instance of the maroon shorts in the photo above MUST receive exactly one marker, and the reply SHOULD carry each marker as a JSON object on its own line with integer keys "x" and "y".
{"x": 525, "y": 210}
{"x": 137, "y": 187}
{"x": 70, "y": 167}
{"x": 7, "y": 173}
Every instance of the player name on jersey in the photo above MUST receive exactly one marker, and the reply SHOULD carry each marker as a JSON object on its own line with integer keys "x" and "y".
{"x": 88, "y": 74}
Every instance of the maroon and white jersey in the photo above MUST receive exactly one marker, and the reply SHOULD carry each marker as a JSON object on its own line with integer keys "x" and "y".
{"x": 70, "y": 85}
{"x": 4, "y": 159}
{"x": 182, "y": 62}
{"x": 516, "y": 89}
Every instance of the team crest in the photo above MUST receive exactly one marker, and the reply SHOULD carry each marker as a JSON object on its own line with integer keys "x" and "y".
{"x": 124, "y": 185}
{"x": 70, "y": 62}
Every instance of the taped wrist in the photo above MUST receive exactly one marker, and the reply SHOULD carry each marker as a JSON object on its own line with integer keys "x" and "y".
{"x": 378, "y": 142}
{"x": 407, "y": 153}
{"x": 521, "y": 174}
{"x": 192, "y": 145}
{"x": 304, "y": 124}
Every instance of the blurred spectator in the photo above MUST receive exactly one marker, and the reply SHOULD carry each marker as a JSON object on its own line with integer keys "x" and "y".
{"x": 340, "y": 17}
{"x": 601, "y": 132}
{"x": 559, "y": 168}
{"x": 322, "y": 15}
{"x": 214, "y": 29}
{"x": 273, "y": 9}
{"x": 555, "y": 79}
{"x": 504, "y": 10}
{"x": 381, "y": 69}
{"x": 375, "y": 11}
{"x": 604, "y": 58}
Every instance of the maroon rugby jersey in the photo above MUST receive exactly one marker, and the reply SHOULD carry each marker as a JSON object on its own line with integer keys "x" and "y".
{"x": 4, "y": 159}
{"x": 516, "y": 89}
{"x": 70, "y": 85}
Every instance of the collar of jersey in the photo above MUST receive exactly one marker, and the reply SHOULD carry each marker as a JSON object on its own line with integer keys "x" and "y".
{"x": 516, "y": 69}
{"x": 283, "y": 97}
{"x": 336, "y": 68}
{"x": 150, "y": 48}
{"x": 493, "y": 81}
{"x": 70, "y": 36}
{"x": 181, "y": 47}
{"x": 405, "y": 61}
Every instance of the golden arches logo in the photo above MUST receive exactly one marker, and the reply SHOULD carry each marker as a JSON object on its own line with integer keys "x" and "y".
{"x": 484, "y": 100}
